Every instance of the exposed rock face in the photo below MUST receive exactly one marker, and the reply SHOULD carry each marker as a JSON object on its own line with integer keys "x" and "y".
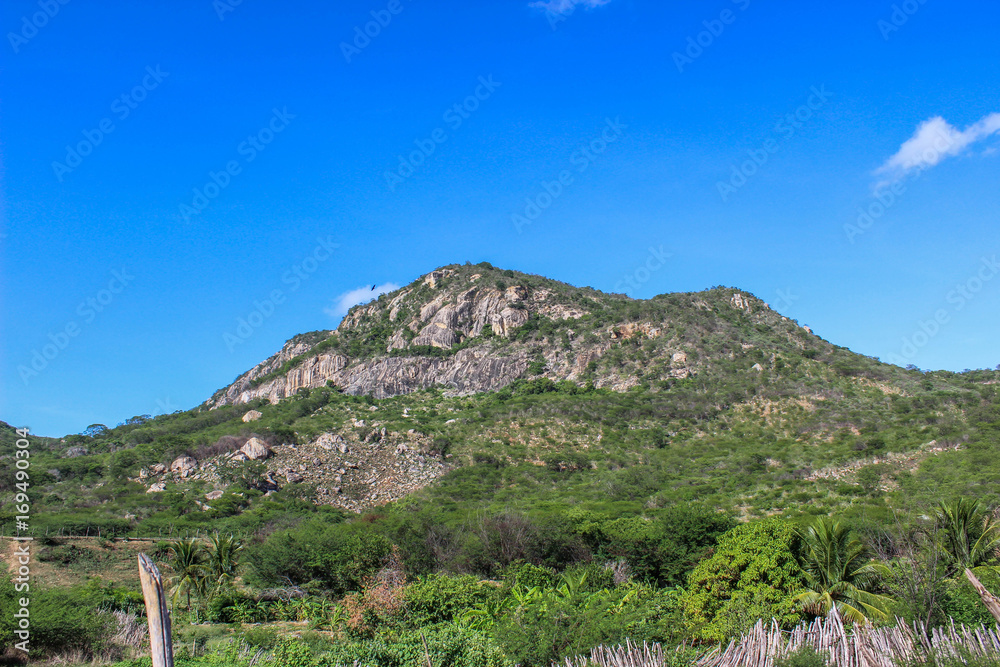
{"x": 157, "y": 487}
{"x": 472, "y": 321}
{"x": 252, "y": 416}
{"x": 74, "y": 452}
{"x": 183, "y": 464}
{"x": 467, "y": 371}
{"x": 741, "y": 302}
{"x": 632, "y": 329}
{"x": 255, "y": 450}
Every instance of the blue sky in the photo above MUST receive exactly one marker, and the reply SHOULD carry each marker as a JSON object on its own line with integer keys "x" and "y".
{"x": 168, "y": 168}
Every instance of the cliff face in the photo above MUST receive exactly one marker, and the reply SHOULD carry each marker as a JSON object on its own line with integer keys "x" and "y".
{"x": 468, "y": 371}
{"x": 476, "y": 328}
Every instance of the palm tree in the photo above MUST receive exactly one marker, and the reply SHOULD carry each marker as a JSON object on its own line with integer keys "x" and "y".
{"x": 188, "y": 563}
{"x": 840, "y": 574}
{"x": 967, "y": 534}
{"x": 223, "y": 559}
{"x": 969, "y": 537}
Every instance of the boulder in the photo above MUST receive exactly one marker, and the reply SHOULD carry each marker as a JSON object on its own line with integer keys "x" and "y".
{"x": 183, "y": 464}
{"x": 679, "y": 358}
{"x": 757, "y": 367}
{"x": 252, "y": 416}
{"x": 213, "y": 495}
{"x": 330, "y": 441}
{"x": 293, "y": 477}
{"x": 158, "y": 469}
{"x": 157, "y": 488}
{"x": 255, "y": 449}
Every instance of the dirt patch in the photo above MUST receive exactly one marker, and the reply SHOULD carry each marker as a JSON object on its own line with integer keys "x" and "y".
{"x": 74, "y": 560}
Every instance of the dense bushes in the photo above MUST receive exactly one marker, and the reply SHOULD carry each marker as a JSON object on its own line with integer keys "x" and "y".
{"x": 315, "y": 555}
{"x": 63, "y": 620}
{"x": 752, "y": 574}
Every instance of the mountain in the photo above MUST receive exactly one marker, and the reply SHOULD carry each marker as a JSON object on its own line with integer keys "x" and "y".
{"x": 476, "y": 389}
{"x": 476, "y": 328}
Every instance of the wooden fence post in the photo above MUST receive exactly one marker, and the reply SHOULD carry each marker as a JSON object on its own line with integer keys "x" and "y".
{"x": 991, "y": 601}
{"x": 160, "y": 642}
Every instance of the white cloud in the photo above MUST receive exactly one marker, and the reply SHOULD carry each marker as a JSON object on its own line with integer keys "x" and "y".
{"x": 566, "y": 6}
{"x": 345, "y": 301}
{"x": 934, "y": 141}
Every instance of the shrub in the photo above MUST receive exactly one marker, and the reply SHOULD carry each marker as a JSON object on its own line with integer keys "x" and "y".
{"x": 447, "y": 644}
{"x": 752, "y": 574}
{"x": 528, "y": 575}
{"x": 804, "y": 656}
{"x": 62, "y": 620}
{"x": 337, "y": 558}
{"x": 438, "y": 598}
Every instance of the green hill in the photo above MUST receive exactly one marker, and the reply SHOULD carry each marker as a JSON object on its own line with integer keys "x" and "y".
{"x": 476, "y": 389}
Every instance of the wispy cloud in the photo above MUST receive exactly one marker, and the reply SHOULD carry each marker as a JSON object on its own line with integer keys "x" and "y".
{"x": 345, "y": 301}
{"x": 934, "y": 141}
{"x": 566, "y": 6}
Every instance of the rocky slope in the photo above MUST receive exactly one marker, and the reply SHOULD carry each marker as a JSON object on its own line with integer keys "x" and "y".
{"x": 347, "y": 469}
{"x": 460, "y": 327}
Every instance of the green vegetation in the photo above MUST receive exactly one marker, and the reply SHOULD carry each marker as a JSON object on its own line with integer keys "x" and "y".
{"x": 680, "y": 507}
{"x": 839, "y": 573}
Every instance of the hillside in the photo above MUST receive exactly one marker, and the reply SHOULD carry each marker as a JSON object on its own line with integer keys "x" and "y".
{"x": 476, "y": 389}
{"x": 469, "y": 329}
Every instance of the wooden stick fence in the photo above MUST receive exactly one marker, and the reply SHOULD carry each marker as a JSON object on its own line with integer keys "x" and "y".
{"x": 862, "y": 646}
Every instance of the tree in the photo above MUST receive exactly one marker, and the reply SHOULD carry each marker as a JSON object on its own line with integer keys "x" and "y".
{"x": 187, "y": 560}
{"x": 95, "y": 430}
{"x": 223, "y": 559}
{"x": 970, "y": 539}
{"x": 752, "y": 574}
{"x": 967, "y": 534}
{"x": 840, "y": 573}
{"x": 249, "y": 475}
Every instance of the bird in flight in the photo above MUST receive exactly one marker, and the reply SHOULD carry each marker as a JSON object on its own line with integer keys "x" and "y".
{"x": 373, "y": 288}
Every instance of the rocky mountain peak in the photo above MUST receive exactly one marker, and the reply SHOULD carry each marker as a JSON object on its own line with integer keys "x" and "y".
{"x": 477, "y": 328}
